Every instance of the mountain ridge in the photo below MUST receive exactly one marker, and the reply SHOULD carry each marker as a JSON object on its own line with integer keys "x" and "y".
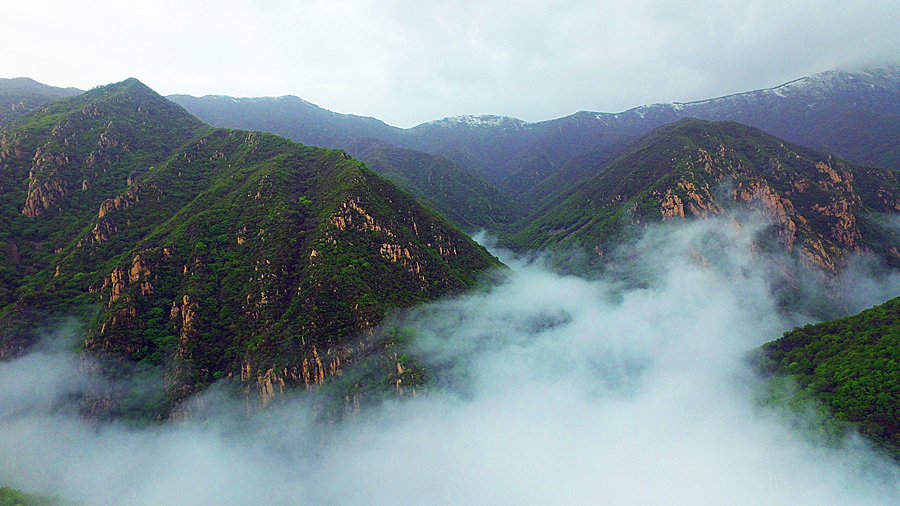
{"x": 210, "y": 253}
{"x": 821, "y": 204}
{"x": 855, "y": 115}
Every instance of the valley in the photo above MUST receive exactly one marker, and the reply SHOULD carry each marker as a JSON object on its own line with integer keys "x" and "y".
{"x": 237, "y": 287}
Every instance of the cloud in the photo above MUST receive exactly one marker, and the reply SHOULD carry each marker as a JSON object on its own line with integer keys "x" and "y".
{"x": 408, "y": 62}
{"x": 547, "y": 389}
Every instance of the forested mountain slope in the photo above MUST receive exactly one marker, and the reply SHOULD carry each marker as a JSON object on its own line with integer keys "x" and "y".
{"x": 850, "y": 366}
{"x": 441, "y": 184}
{"x": 287, "y": 116}
{"x": 822, "y": 208}
{"x": 21, "y": 95}
{"x": 209, "y": 252}
{"x": 457, "y": 193}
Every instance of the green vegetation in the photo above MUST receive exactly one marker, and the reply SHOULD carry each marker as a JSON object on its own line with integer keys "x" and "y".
{"x": 441, "y": 184}
{"x": 822, "y": 207}
{"x": 12, "y": 497}
{"x": 215, "y": 254}
{"x": 60, "y": 162}
{"x": 849, "y": 367}
{"x": 19, "y": 96}
{"x": 210, "y": 253}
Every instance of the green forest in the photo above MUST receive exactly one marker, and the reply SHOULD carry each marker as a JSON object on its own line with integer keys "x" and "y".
{"x": 850, "y": 367}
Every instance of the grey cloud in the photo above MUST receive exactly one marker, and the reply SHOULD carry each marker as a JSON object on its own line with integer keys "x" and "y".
{"x": 408, "y": 62}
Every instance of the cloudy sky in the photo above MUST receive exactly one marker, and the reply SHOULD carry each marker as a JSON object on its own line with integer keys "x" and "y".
{"x": 410, "y": 61}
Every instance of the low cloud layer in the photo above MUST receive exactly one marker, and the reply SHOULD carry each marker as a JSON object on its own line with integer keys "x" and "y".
{"x": 548, "y": 389}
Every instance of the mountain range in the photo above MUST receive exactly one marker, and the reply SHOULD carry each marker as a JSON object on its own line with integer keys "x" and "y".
{"x": 851, "y": 114}
{"x": 209, "y": 252}
{"x": 555, "y": 183}
{"x": 205, "y": 241}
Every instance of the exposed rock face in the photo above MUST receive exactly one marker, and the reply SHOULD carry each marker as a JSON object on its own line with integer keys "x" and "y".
{"x": 822, "y": 209}
{"x": 759, "y": 195}
{"x": 350, "y": 210}
{"x": 825, "y": 246}
{"x": 42, "y": 196}
{"x": 119, "y": 202}
{"x": 837, "y": 232}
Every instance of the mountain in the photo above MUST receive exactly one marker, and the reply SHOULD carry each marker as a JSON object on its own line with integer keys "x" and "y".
{"x": 822, "y": 207}
{"x": 848, "y": 367}
{"x": 854, "y": 115}
{"x": 21, "y": 95}
{"x": 287, "y": 116}
{"x": 208, "y": 252}
{"x": 464, "y": 198}
{"x": 441, "y": 184}
{"x": 13, "y": 497}
{"x": 60, "y": 162}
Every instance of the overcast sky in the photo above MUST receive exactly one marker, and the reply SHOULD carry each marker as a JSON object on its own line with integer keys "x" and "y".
{"x": 411, "y": 61}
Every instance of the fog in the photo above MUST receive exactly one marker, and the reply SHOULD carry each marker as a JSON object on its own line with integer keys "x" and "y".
{"x": 632, "y": 387}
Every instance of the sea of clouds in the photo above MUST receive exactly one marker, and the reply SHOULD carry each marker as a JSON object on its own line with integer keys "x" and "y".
{"x": 632, "y": 387}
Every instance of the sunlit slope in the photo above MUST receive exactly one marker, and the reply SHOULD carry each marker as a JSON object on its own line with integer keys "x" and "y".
{"x": 234, "y": 254}
{"x": 821, "y": 207}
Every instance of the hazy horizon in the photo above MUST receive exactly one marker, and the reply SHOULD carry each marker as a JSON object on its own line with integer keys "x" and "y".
{"x": 411, "y": 62}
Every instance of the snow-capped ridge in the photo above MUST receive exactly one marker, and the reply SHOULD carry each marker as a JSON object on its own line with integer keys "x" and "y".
{"x": 483, "y": 121}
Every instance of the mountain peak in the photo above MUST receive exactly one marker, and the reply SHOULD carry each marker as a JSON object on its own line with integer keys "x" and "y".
{"x": 129, "y": 86}
{"x": 483, "y": 121}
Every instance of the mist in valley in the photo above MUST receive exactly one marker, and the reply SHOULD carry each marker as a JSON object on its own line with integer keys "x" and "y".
{"x": 635, "y": 386}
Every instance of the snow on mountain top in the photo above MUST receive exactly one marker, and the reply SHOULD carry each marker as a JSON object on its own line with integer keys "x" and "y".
{"x": 486, "y": 121}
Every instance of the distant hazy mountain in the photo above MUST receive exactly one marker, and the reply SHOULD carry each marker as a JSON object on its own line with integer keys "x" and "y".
{"x": 21, "y": 94}
{"x": 855, "y": 115}
{"x": 209, "y": 252}
{"x": 287, "y": 116}
{"x": 441, "y": 184}
{"x": 460, "y": 195}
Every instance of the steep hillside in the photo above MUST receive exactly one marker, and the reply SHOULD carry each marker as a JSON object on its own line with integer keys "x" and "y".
{"x": 443, "y": 185}
{"x": 21, "y": 95}
{"x": 233, "y": 254}
{"x": 63, "y": 160}
{"x": 850, "y": 367}
{"x": 822, "y": 208}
